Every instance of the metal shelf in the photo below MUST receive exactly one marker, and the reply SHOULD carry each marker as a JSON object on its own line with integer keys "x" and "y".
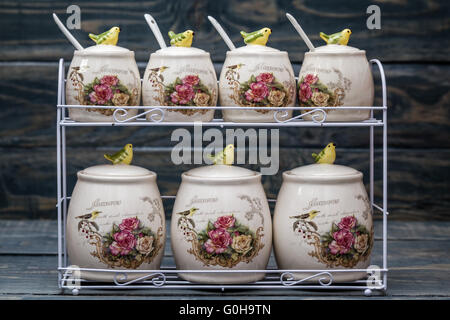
{"x": 167, "y": 278}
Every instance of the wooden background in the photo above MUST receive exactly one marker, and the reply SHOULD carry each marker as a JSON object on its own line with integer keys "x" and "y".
{"x": 413, "y": 44}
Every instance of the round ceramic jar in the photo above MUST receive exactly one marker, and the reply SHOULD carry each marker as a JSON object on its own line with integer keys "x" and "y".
{"x": 180, "y": 76}
{"x": 102, "y": 75}
{"x": 336, "y": 75}
{"x": 231, "y": 230}
{"x": 115, "y": 221}
{"x": 323, "y": 220}
{"x": 257, "y": 76}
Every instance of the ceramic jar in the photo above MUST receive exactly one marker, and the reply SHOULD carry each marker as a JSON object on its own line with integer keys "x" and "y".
{"x": 257, "y": 76}
{"x": 115, "y": 221}
{"x": 336, "y": 75}
{"x": 323, "y": 220}
{"x": 180, "y": 76}
{"x": 103, "y": 75}
{"x": 231, "y": 230}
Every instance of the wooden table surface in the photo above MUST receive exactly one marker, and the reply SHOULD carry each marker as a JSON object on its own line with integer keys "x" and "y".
{"x": 418, "y": 262}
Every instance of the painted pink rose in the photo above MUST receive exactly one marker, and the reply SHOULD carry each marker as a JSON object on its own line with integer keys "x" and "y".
{"x": 344, "y": 240}
{"x": 258, "y": 91}
{"x": 123, "y": 244}
{"x": 305, "y": 92}
{"x": 109, "y": 80}
{"x": 265, "y": 77}
{"x": 347, "y": 223}
{"x": 183, "y": 94}
{"x": 101, "y": 94}
{"x": 191, "y": 80}
{"x": 219, "y": 241}
{"x": 335, "y": 248}
{"x": 129, "y": 224}
{"x": 310, "y": 79}
{"x": 224, "y": 222}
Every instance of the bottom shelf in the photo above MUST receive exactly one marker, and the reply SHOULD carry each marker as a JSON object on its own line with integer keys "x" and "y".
{"x": 168, "y": 278}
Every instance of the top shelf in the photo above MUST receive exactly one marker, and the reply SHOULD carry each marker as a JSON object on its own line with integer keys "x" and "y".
{"x": 318, "y": 114}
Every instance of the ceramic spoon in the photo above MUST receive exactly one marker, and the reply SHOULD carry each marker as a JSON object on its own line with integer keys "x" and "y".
{"x": 222, "y": 33}
{"x": 300, "y": 31}
{"x": 155, "y": 29}
{"x": 66, "y": 32}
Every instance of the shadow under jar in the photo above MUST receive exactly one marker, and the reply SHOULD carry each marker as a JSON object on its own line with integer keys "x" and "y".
{"x": 323, "y": 220}
{"x": 180, "y": 76}
{"x": 103, "y": 75}
{"x": 115, "y": 221}
{"x": 231, "y": 230}
{"x": 333, "y": 76}
{"x": 257, "y": 76}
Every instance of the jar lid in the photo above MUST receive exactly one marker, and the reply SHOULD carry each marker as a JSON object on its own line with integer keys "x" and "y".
{"x": 255, "y": 49}
{"x": 180, "y": 51}
{"x": 118, "y": 170}
{"x": 324, "y": 172}
{"x": 104, "y": 49}
{"x": 220, "y": 171}
{"x": 336, "y": 49}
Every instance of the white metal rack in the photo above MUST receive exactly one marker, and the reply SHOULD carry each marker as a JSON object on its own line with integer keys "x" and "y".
{"x": 167, "y": 277}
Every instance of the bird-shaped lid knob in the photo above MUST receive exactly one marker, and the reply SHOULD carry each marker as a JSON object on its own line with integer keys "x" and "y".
{"x": 260, "y": 36}
{"x": 340, "y": 38}
{"x": 183, "y": 39}
{"x": 108, "y": 37}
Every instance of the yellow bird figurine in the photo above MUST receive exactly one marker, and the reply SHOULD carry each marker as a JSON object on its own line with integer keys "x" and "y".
{"x": 91, "y": 215}
{"x": 337, "y": 38}
{"x": 327, "y": 155}
{"x": 124, "y": 156}
{"x": 108, "y": 37}
{"x": 183, "y": 39}
{"x": 257, "y": 37}
{"x": 224, "y": 157}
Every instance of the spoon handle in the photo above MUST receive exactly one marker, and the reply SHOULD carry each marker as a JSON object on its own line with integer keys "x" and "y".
{"x": 300, "y": 31}
{"x": 154, "y": 26}
{"x": 66, "y": 32}
{"x": 222, "y": 33}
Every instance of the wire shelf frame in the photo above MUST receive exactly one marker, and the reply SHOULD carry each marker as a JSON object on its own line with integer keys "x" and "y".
{"x": 167, "y": 277}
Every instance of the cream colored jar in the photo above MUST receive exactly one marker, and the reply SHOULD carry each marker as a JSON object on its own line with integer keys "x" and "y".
{"x": 180, "y": 76}
{"x": 103, "y": 75}
{"x": 257, "y": 76}
{"x": 336, "y": 75}
{"x": 323, "y": 220}
{"x": 115, "y": 221}
{"x": 231, "y": 230}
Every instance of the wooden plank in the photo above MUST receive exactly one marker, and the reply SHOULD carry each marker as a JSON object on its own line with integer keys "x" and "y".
{"x": 418, "y": 179}
{"x": 410, "y": 30}
{"x": 39, "y": 237}
{"x": 418, "y": 96}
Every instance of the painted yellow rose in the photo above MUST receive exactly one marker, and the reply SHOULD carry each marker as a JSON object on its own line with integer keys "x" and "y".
{"x": 201, "y": 99}
{"x": 276, "y": 97}
{"x": 242, "y": 243}
{"x": 320, "y": 99}
{"x": 120, "y": 99}
{"x": 145, "y": 245}
{"x": 361, "y": 243}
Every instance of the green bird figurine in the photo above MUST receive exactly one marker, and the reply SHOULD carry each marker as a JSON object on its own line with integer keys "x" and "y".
{"x": 257, "y": 37}
{"x": 183, "y": 39}
{"x": 327, "y": 155}
{"x": 124, "y": 156}
{"x": 226, "y": 156}
{"x": 337, "y": 38}
{"x": 87, "y": 216}
{"x": 108, "y": 37}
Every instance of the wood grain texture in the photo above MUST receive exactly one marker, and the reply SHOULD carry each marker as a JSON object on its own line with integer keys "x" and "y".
{"x": 417, "y": 269}
{"x": 418, "y": 180}
{"x": 410, "y": 30}
{"x": 418, "y": 100}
